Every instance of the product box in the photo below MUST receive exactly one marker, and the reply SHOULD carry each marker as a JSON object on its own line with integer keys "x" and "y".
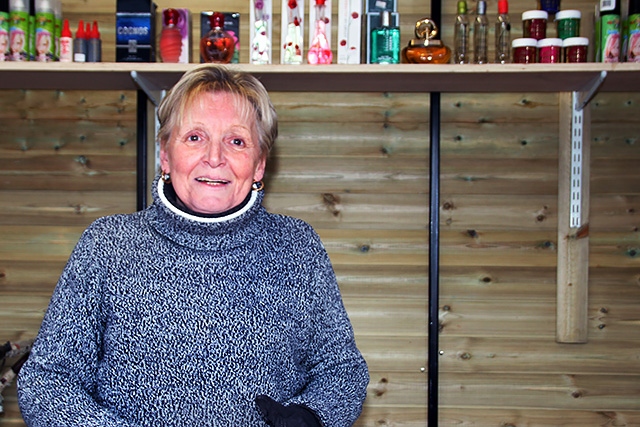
{"x": 231, "y": 25}
{"x": 261, "y": 30}
{"x": 184, "y": 26}
{"x": 292, "y": 32}
{"x": 349, "y": 31}
{"x": 374, "y": 21}
{"x": 135, "y": 31}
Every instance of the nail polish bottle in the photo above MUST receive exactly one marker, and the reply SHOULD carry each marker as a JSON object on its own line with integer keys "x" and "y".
{"x": 94, "y": 44}
{"x": 80, "y": 44}
{"x": 66, "y": 43}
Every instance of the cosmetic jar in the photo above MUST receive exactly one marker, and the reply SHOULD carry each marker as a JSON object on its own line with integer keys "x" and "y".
{"x": 568, "y": 23}
{"x": 550, "y": 51}
{"x": 524, "y": 50}
{"x": 575, "y": 49}
{"x": 534, "y": 24}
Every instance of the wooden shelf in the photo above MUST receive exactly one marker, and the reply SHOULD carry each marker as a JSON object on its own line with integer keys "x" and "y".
{"x": 471, "y": 78}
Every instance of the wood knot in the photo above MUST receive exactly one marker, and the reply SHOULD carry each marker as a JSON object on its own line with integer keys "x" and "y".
{"x": 576, "y": 394}
{"x": 332, "y": 203}
{"x": 381, "y": 387}
{"x": 447, "y": 206}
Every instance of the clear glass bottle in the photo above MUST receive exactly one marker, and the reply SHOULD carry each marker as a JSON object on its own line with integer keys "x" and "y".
{"x": 503, "y": 33}
{"x": 426, "y": 48}
{"x": 217, "y": 45}
{"x": 480, "y": 32}
{"x": 385, "y": 42}
{"x": 170, "y": 37}
{"x": 461, "y": 35}
{"x": 320, "y": 49}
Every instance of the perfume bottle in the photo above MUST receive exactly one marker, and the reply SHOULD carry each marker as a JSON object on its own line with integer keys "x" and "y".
{"x": 480, "y": 32}
{"x": 461, "y": 35}
{"x": 217, "y": 45}
{"x": 426, "y": 48}
{"x": 261, "y": 42}
{"x": 320, "y": 49}
{"x": 292, "y": 53}
{"x": 170, "y": 37}
{"x": 385, "y": 42}
{"x": 503, "y": 33}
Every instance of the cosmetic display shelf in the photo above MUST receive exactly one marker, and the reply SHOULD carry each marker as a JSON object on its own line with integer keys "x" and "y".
{"x": 468, "y": 78}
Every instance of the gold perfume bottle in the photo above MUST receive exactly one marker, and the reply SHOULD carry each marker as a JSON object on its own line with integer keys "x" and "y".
{"x": 426, "y": 48}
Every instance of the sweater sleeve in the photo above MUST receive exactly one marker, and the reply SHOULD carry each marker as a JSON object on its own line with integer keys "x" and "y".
{"x": 57, "y": 384}
{"x": 338, "y": 374}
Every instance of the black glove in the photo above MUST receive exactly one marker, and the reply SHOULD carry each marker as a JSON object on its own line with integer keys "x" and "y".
{"x": 278, "y": 415}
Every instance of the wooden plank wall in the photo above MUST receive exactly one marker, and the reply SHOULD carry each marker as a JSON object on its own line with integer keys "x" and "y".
{"x": 355, "y": 167}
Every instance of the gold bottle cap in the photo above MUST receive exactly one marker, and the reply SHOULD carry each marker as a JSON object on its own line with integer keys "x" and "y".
{"x": 426, "y": 31}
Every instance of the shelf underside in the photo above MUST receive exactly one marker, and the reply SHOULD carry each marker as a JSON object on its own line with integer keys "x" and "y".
{"x": 445, "y": 78}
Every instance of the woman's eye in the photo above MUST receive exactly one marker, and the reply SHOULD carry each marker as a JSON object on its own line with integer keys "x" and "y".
{"x": 193, "y": 138}
{"x": 237, "y": 141}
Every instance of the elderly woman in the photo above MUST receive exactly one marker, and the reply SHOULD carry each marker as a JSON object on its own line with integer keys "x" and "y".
{"x": 204, "y": 309}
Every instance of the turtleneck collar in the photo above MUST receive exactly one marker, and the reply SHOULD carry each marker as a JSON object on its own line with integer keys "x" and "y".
{"x": 171, "y": 200}
{"x": 201, "y": 233}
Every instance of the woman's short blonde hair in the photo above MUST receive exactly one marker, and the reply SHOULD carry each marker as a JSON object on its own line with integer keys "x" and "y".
{"x": 215, "y": 78}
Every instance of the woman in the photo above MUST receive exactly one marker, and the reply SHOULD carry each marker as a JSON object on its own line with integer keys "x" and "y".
{"x": 203, "y": 309}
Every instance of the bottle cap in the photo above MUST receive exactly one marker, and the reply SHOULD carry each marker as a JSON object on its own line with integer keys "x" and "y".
{"x": 80, "y": 34}
{"x": 482, "y": 7}
{"x": 568, "y": 14}
{"x": 385, "y": 18}
{"x": 95, "y": 34}
{"x": 65, "y": 32}
{"x": 535, "y": 14}
{"x": 503, "y": 7}
{"x": 575, "y": 41}
{"x": 524, "y": 42}
{"x": 18, "y": 5}
{"x": 4, "y": 6}
{"x": 462, "y": 7}
{"x": 171, "y": 17}
{"x": 43, "y": 6}
{"x": 216, "y": 20}
{"x": 551, "y": 41}
{"x": 426, "y": 32}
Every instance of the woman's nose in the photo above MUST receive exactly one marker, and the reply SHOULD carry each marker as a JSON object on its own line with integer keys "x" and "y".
{"x": 214, "y": 155}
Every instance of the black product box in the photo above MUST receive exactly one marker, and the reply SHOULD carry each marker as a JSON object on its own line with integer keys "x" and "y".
{"x": 135, "y": 31}
{"x": 231, "y": 25}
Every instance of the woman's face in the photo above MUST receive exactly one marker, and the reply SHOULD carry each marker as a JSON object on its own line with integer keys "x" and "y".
{"x": 213, "y": 155}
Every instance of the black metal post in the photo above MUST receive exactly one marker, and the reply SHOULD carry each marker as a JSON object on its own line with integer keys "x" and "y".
{"x": 141, "y": 149}
{"x": 434, "y": 259}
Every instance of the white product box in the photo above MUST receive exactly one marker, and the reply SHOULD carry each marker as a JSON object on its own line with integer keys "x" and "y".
{"x": 349, "y": 31}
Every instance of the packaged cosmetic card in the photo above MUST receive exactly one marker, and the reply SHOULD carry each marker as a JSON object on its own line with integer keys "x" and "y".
{"x": 349, "y": 31}
{"x": 292, "y": 32}
{"x": 319, "y": 51}
{"x": 260, "y": 17}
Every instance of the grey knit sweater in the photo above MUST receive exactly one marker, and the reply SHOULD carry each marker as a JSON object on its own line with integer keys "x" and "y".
{"x": 163, "y": 319}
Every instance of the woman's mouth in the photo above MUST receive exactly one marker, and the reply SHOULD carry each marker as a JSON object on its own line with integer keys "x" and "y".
{"x": 211, "y": 181}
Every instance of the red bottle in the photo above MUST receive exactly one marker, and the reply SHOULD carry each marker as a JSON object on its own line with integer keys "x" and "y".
{"x": 170, "y": 38}
{"x": 218, "y": 45}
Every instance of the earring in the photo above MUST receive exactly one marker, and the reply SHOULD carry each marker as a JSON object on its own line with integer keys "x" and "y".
{"x": 257, "y": 186}
{"x": 166, "y": 177}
